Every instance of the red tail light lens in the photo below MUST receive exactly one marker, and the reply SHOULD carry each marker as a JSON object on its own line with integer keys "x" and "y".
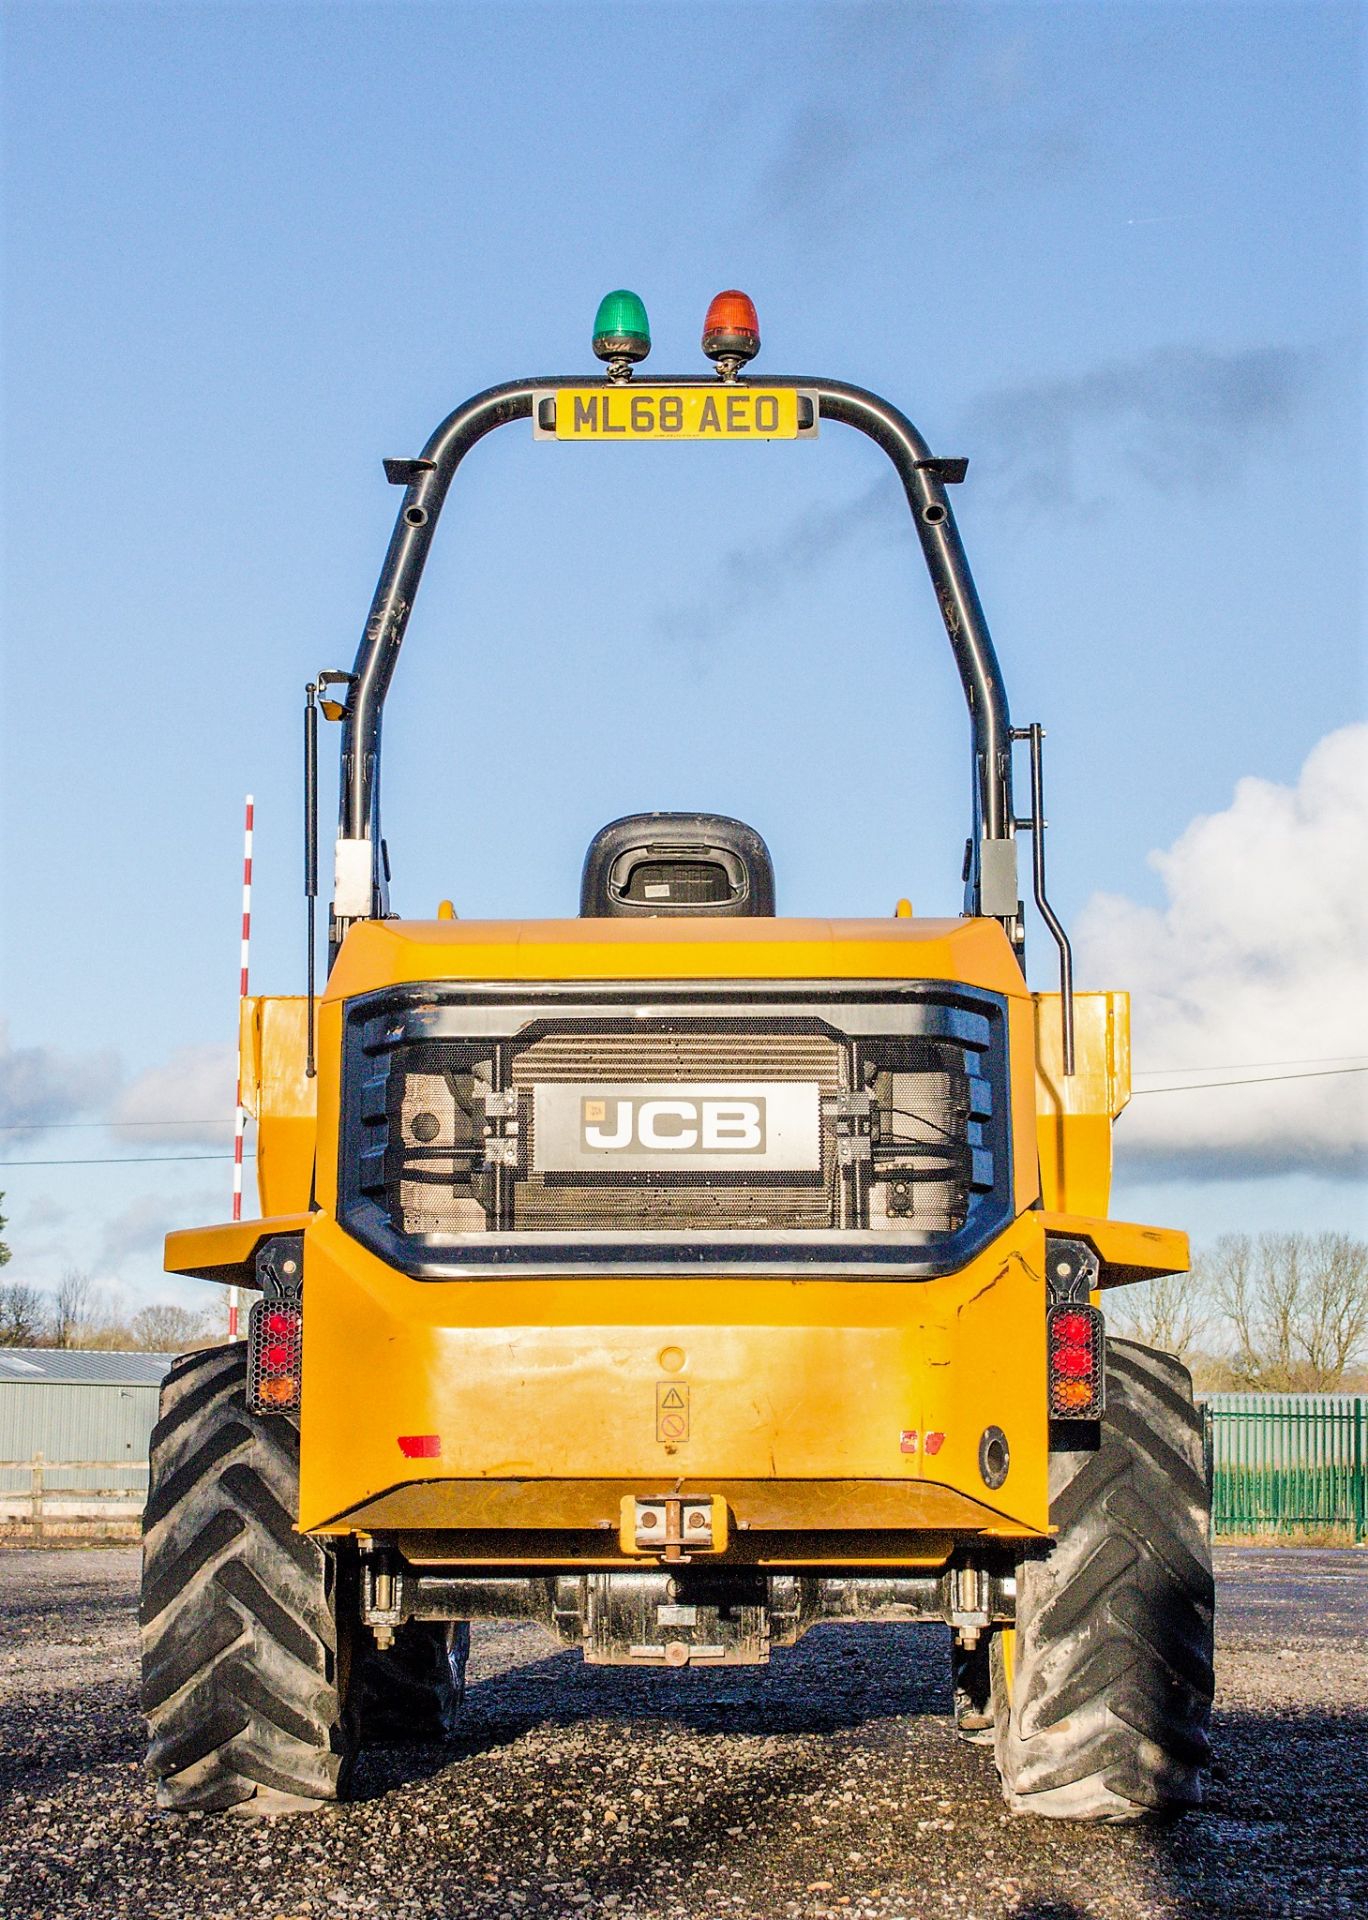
{"x": 275, "y": 1347}
{"x": 1076, "y": 1341}
{"x": 1075, "y": 1363}
{"x": 1071, "y": 1325}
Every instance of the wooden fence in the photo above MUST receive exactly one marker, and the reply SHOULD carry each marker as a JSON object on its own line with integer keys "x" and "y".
{"x": 109, "y": 1508}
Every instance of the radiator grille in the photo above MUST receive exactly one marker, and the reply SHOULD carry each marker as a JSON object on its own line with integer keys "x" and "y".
{"x": 903, "y": 1128}
{"x": 701, "y": 1201}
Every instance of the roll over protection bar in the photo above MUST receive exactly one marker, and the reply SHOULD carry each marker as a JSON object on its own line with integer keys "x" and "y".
{"x": 990, "y": 880}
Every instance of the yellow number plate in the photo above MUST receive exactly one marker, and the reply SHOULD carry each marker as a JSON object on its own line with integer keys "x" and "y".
{"x": 675, "y": 413}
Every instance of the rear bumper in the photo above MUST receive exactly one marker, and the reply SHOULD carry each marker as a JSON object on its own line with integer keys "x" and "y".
{"x": 841, "y": 1419}
{"x": 574, "y": 1525}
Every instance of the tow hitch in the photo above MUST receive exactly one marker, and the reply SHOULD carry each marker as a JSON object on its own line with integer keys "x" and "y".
{"x": 673, "y": 1526}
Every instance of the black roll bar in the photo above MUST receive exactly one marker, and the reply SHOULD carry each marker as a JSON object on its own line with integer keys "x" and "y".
{"x": 991, "y": 885}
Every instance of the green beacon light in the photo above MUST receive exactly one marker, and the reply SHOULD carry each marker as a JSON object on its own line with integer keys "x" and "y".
{"x": 622, "y": 333}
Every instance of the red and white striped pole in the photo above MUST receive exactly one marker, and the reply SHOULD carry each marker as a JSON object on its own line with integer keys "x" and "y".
{"x": 240, "y": 1112}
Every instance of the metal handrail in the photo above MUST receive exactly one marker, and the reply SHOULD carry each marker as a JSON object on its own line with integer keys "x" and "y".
{"x": 1035, "y": 825}
{"x": 924, "y": 478}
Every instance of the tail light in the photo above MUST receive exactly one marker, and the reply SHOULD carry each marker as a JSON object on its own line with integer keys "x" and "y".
{"x": 1077, "y": 1348}
{"x": 275, "y": 1346}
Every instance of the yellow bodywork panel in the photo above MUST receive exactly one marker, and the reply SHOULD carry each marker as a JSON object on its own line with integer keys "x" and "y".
{"x": 1128, "y": 1252}
{"x": 1074, "y": 1113}
{"x": 383, "y": 953}
{"x": 515, "y": 1420}
{"x": 283, "y": 1101}
{"x": 433, "y": 1405}
{"x": 225, "y": 1252}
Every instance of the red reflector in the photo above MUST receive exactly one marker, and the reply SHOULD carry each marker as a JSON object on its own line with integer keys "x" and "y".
{"x": 275, "y": 1359}
{"x": 282, "y": 1325}
{"x": 420, "y": 1446}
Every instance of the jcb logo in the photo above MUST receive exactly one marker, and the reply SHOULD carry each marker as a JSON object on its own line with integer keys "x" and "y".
{"x": 648, "y": 1126}
{"x": 623, "y": 1124}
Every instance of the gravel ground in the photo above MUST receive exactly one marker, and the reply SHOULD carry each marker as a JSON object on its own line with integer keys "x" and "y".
{"x": 830, "y": 1783}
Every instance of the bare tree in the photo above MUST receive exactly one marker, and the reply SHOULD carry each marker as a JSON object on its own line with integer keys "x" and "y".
{"x": 1295, "y": 1307}
{"x": 1169, "y": 1313}
{"x": 23, "y": 1315}
{"x": 72, "y": 1308}
{"x": 1229, "y": 1266}
{"x": 164, "y": 1328}
{"x": 1333, "y": 1325}
{"x": 4, "y": 1250}
{"x": 105, "y": 1332}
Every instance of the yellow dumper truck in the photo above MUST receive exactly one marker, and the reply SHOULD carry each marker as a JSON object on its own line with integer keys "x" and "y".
{"x": 679, "y": 1275}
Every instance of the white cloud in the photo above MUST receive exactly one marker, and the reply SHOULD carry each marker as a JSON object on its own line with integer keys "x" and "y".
{"x": 186, "y": 1101}
{"x": 134, "y": 1236}
{"x": 1260, "y": 955}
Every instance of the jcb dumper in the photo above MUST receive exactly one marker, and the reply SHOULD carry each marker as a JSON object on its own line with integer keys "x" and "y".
{"x": 679, "y": 1275}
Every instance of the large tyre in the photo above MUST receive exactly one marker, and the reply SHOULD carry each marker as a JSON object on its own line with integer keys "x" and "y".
{"x": 243, "y": 1686}
{"x": 414, "y": 1689}
{"x": 1103, "y": 1693}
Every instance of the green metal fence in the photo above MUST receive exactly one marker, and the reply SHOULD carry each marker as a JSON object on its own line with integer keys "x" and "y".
{"x": 1288, "y": 1463}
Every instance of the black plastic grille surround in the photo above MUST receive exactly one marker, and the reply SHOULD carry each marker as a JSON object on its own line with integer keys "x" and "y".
{"x": 440, "y": 1171}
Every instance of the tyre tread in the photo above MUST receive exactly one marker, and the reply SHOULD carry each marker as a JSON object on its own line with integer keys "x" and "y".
{"x": 239, "y": 1632}
{"x": 1113, "y": 1654}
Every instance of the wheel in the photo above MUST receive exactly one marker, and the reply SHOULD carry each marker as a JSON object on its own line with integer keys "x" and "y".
{"x": 242, "y": 1683}
{"x": 1102, "y": 1695}
{"x": 973, "y": 1690}
{"x": 412, "y": 1690}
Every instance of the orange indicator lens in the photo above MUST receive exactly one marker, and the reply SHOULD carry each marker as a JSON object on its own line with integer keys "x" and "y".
{"x": 1072, "y": 1396}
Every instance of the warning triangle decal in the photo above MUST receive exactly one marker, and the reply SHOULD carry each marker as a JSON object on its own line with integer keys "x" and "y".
{"x": 674, "y": 1398}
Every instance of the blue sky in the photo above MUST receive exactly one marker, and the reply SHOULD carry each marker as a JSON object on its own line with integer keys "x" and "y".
{"x": 1112, "y": 253}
